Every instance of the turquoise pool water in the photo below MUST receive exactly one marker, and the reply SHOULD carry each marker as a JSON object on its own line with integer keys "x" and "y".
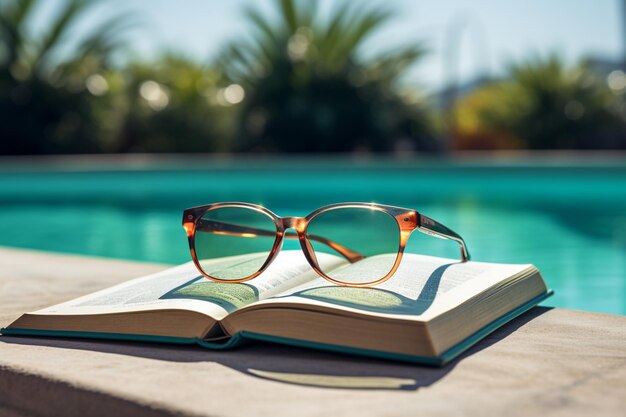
{"x": 569, "y": 219}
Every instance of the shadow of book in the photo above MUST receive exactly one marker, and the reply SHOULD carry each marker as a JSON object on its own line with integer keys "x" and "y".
{"x": 290, "y": 364}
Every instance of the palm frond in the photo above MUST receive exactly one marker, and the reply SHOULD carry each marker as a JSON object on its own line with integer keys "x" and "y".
{"x": 60, "y": 26}
{"x": 262, "y": 25}
{"x": 289, "y": 15}
{"x": 12, "y": 16}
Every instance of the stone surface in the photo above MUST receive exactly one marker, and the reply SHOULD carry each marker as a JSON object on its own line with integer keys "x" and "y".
{"x": 546, "y": 362}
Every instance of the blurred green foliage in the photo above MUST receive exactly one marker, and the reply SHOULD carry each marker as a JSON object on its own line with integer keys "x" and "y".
{"x": 300, "y": 82}
{"x": 543, "y": 105}
{"x": 44, "y": 107}
{"x": 170, "y": 106}
{"x": 310, "y": 90}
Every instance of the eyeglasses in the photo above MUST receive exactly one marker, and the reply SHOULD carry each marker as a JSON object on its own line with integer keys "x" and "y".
{"x": 235, "y": 242}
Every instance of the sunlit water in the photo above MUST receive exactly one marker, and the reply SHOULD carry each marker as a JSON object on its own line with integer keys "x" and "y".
{"x": 568, "y": 220}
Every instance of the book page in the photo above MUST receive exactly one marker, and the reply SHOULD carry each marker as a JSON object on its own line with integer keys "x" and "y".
{"x": 183, "y": 287}
{"x": 422, "y": 285}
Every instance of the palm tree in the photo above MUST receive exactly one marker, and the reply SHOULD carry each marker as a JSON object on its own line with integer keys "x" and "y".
{"x": 308, "y": 88}
{"x": 44, "y": 106}
{"x": 546, "y": 105}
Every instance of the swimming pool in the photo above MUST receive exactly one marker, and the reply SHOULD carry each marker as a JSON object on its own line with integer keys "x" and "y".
{"x": 568, "y": 218}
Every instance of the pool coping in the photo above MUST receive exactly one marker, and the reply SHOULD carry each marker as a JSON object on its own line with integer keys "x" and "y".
{"x": 548, "y": 361}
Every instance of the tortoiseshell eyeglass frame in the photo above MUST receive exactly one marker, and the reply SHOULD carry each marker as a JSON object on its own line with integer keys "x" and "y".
{"x": 408, "y": 221}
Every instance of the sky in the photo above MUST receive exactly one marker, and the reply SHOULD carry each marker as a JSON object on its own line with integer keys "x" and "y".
{"x": 492, "y": 33}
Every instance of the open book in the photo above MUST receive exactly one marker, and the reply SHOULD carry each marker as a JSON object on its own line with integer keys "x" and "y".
{"x": 430, "y": 311}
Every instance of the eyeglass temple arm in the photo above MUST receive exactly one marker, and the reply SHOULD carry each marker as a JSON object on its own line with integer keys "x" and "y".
{"x": 232, "y": 229}
{"x": 434, "y": 228}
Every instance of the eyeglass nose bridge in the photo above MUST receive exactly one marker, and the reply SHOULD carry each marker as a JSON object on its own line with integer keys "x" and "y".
{"x": 297, "y": 223}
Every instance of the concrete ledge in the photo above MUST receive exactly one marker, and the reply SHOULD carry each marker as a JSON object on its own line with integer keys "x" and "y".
{"x": 548, "y": 362}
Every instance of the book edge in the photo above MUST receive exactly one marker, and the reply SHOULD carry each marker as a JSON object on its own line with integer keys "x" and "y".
{"x": 240, "y": 338}
{"x": 12, "y": 331}
{"x": 470, "y": 341}
{"x": 440, "y": 360}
